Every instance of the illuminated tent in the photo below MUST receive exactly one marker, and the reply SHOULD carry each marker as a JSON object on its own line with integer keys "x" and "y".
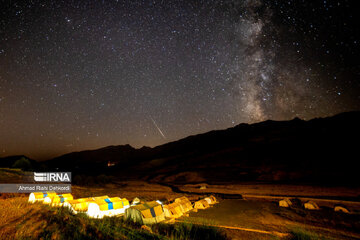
{"x": 172, "y": 210}
{"x": 211, "y": 200}
{"x": 81, "y": 204}
{"x": 58, "y": 200}
{"x": 311, "y": 205}
{"x": 40, "y": 196}
{"x": 201, "y": 204}
{"x": 78, "y": 205}
{"x": 285, "y": 203}
{"x": 146, "y": 213}
{"x": 340, "y": 208}
{"x": 185, "y": 204}
{"x": 107, "y": 207}
{"x": 163, "y": 201}
{"x": 135, "y": 201}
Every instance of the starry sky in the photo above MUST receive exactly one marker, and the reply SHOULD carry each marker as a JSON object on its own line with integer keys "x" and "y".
{"x": 77, "y": 75}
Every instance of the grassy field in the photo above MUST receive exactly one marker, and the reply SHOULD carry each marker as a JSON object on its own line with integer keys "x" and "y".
{"x": 21, "y": 220}
{"x": 229, "y": 219}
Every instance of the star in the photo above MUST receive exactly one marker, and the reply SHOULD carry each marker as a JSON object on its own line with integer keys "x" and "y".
{"x": 90, "y": 75}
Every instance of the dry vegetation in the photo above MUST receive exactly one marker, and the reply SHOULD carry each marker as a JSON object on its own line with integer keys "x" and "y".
{"x": 17, "y": 217}
{"x": 22, "y": 220}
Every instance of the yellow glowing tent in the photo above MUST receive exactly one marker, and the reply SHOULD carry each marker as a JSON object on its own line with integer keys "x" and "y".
{"x": 311, "y": 205}
{"x": 173, "y": 210}
{"x": 58, "y": 200}
{"x": 211, "y": 200}
{"x": 40, "y": 196}
{"x": 78, "y": 205}
{"x": 184, "y": 203}
{"x": 201, "y": 204}
{"x": 146, "y": 213}
{"x": 285, "y": 202}
{"x": 81, "y": 204}
{"x": 107, "y": 207}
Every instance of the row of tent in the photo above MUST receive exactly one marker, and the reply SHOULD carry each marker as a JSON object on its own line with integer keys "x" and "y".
{"x": 95, "y": 207}
{"x": 137, "y": 211}
{"x": 310, "y": 205}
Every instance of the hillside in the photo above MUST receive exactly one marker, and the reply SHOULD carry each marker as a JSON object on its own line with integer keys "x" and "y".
{"x": 322, "y": 150}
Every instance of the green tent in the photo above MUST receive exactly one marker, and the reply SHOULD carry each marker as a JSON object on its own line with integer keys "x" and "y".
{"x": 146, "y": 213}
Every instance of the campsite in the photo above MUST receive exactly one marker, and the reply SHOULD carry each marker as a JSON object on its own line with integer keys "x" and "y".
{"x": 249, "y": 217}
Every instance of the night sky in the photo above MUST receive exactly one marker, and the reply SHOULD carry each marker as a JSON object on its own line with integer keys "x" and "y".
{"x": 77, "y": 75}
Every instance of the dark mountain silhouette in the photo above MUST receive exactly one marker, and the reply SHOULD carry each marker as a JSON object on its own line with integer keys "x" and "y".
{"x": 321, "y": 150}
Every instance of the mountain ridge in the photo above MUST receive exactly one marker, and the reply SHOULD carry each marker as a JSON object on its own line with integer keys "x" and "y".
{"x": 269, "y": 150}
{"x": 320, "y": 150}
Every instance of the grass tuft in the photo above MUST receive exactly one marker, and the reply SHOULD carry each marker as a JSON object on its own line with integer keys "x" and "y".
{"x": 62, "y": 224}
{"x": 302, "y": 234}
{"x": 188, "y": 231}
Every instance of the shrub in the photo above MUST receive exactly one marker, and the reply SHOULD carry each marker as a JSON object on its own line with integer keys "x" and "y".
{"x": 102, "y": 179}
{"x": 22, "y": 163}
{"x": 78, "y": 180}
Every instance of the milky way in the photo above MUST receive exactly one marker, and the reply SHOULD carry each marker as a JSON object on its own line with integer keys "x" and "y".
{"x": 78, "y": 75}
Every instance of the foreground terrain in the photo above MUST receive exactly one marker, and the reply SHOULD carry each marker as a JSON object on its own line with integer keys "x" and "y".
{"x": 236, "y": 218}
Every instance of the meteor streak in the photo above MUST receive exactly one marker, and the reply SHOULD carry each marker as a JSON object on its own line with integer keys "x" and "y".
{"x": 157, "y": 127}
